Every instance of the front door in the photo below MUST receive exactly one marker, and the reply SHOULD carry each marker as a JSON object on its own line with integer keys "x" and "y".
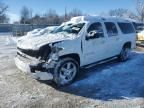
{"x": 94, "y": 45}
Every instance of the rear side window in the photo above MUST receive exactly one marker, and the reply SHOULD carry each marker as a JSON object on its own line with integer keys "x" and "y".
{"x": 126, "y": 28}
{"x": 111, "y": 29}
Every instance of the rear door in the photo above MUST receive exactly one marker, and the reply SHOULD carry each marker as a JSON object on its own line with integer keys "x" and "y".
{"x": 113, "y": 42}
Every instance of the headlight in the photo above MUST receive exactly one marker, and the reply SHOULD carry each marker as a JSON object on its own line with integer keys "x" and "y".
{"x": 56, "y": 49}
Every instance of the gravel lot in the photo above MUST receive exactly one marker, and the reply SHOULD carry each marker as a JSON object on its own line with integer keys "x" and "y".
{"x": 108, "y": 85}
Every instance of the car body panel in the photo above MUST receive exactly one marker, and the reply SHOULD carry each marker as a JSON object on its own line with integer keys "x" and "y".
{"x": 89, "y": 51}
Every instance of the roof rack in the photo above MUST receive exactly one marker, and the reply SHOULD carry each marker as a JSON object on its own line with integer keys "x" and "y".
{"x": 95, "y": 17}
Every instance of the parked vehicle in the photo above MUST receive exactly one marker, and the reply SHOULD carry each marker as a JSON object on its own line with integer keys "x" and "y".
{"x": 139, "y": 27}
{"x": 33, "y": 32}
{"x": 39, "y": 31}
{"x": 80, "y": 42}
{"x": 140, "y": 36}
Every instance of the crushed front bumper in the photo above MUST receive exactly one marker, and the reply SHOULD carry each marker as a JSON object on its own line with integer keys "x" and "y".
{"x": 33, "y": 68}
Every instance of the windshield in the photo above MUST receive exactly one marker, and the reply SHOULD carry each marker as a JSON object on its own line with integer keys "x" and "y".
{"x": 69, "y": 28}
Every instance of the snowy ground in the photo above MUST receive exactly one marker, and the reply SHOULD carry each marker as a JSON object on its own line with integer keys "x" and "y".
{"x": 109, "y": 85}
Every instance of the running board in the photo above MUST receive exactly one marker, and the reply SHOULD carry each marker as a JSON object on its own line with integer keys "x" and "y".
{"x": 99, "y": 62}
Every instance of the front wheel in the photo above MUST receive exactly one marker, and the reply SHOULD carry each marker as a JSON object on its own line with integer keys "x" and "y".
{"x": 66, "y": 71}
{"x": 125, "y": 54}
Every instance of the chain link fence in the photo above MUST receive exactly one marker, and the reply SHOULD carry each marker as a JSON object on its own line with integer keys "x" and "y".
{"x": 20, "y": 29}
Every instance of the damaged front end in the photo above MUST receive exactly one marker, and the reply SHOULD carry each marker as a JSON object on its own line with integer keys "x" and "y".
{"x": 40, "y": 63}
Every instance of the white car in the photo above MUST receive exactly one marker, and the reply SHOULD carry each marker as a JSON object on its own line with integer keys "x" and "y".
{"x": 140, "y": 36}
{"x": 80, "y": 42}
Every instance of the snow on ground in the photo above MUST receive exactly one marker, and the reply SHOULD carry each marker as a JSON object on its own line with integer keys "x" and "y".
{"x": 8, "y": 39}
{"x": 108, "y": 85}
{"x": 114, "y": 80}
{"x": 11, "y": 40}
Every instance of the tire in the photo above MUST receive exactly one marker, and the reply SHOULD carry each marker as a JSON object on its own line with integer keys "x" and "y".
{"x": 125, "y": 54}
{"x": 66, "y": 71}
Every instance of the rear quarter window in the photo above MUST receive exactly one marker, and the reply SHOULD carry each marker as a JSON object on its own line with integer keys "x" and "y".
{"x": 126, "y": 28}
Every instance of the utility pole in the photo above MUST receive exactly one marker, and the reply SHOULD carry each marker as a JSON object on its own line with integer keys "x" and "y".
{"x": 65, "y": 13}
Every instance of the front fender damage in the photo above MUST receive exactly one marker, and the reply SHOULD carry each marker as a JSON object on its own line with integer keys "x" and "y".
{"x": 44, "y": 69}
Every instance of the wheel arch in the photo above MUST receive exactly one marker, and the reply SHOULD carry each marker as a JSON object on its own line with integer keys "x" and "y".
{"x": 127, "y": 44}
{"x": 73, "y": 56}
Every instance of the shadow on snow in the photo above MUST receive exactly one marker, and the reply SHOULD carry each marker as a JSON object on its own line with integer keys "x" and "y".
{"x": 111, "y": 80}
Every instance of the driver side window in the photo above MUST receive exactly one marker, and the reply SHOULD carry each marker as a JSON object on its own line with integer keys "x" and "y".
{"x": 96, "y": 29}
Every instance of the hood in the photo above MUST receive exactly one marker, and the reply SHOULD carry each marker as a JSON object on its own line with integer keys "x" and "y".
{"x": 35, "y": 42}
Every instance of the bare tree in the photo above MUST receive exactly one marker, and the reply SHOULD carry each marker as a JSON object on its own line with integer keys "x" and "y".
{"x": 36, "y": 19}
{"x": 122, "y": 13}
{"x": 52, "y": 17}
{"x": 140, "y": 10}
{"x": 75, "y": 12}
{"x": 25, "y": 15}
{"x": 139, "y": 15}
{"x": 3, "y": 10}
{"x": 131, "y": 15}
{"x": 118, "y": 12}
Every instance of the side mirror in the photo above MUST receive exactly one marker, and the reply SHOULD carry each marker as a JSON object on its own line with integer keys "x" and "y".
{"x": 93, "y": 34}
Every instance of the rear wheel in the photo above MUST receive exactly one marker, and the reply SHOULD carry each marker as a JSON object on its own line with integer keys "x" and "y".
{"x": 125, "y": 53}
{"x": 66, "y": 71}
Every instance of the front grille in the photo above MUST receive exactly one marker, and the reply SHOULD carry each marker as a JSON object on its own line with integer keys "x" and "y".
{"x": 43, "y": 52}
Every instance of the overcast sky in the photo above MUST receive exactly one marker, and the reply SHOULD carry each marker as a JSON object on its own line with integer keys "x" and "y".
{"x": 87, "y": 6}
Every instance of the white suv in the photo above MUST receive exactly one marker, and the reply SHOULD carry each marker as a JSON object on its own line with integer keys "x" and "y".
{"x": 82, "y": 41}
